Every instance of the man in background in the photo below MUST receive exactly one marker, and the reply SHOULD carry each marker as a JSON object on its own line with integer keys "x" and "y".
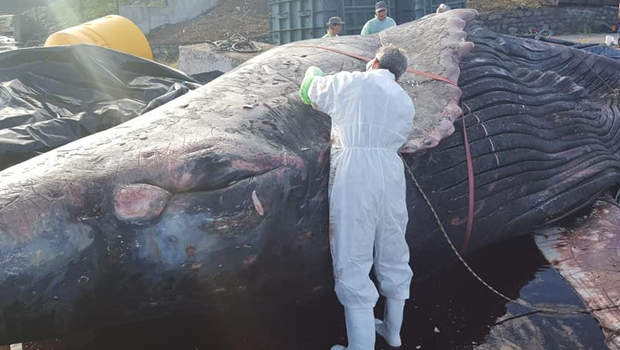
{"x": 442, "y": 8}
{"x": 380, "y": 22}
{"x": 334, "y": 27}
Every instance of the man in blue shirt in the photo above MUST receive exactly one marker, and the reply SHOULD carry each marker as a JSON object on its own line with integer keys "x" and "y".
{"x": 380, "y": 22}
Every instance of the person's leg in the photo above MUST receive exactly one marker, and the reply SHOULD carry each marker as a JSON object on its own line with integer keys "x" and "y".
{"x": 352, "y": 231}
{"x": 389, "y": 327}
{"x": 360, "y": 329}
{"x": 392, "y": 266}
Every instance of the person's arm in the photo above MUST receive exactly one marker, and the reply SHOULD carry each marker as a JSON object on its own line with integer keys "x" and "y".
{"x": 366, "y": 29}
{"x": 312, "y": 73}
{"x": 408, "y": 111}
{"x": 322, "y": 94}
{"x": 317, "y": 90}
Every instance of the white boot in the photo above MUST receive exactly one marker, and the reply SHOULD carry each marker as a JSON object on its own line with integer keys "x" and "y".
{"x": 360, "y": 330}
{"x": 389, "y": 328}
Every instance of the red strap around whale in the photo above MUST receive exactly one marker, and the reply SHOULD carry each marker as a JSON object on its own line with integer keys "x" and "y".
{"x": 470, "y": 168}
{"x": 366, "y": 59}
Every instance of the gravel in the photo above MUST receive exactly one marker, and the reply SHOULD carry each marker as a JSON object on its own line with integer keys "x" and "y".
{"x": 249, "y": 18}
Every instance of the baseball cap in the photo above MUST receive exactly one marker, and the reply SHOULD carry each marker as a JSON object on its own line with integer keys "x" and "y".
{"x": 381, "y": 6}
{"x": 335, "y": 21}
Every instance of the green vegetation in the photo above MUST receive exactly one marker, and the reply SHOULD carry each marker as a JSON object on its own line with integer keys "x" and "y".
{"x": 503, "y": 5}
{"x": 72, "y": 12}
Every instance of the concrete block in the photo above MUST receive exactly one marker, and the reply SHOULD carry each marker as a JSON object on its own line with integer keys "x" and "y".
{"x": 202, "y": 58}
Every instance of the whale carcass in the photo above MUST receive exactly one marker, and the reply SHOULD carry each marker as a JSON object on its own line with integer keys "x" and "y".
{"x": 220, "y": 196}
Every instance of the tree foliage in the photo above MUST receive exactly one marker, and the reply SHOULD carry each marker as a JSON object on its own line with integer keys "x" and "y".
{"x": 505, "y": 5}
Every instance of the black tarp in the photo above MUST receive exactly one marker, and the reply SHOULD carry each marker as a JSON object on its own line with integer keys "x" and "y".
{"x": 55, "y": 95}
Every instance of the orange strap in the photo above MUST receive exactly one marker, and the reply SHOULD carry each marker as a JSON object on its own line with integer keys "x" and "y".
{"x": 366, "y": 59}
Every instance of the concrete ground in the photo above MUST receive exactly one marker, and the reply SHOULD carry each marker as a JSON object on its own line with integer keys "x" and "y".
{"x": 597, "y": 38}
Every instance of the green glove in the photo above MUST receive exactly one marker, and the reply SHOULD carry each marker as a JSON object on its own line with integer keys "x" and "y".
{"x": 311, "y": 73}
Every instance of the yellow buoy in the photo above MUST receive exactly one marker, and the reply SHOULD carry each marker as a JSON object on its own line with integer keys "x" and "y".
{"x": 114, "y": 32}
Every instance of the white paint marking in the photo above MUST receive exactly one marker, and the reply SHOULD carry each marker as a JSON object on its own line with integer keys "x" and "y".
{"x": 257, "y": 204}
{"x": 486, "y": 133}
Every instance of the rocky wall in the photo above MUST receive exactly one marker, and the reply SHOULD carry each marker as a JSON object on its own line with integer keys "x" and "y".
{"x": 561, "y": 20}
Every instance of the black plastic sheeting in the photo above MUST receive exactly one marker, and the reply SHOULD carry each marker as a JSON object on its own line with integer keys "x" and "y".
{"x": 51, "y": 96}
{"x": 207, "y": 77}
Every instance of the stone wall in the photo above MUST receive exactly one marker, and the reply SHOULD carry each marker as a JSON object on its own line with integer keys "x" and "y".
{"x": 561, "y": 20}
